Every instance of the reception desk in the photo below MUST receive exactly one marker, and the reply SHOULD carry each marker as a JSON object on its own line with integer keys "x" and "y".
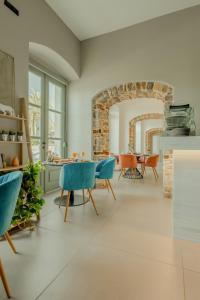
{"x": 181, "y": 180}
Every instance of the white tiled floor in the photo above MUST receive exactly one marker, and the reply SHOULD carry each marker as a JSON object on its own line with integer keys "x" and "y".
{"x": 127, "y": 253}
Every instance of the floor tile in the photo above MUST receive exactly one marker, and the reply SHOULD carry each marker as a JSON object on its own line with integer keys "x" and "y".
{"x": 152, "y": 246}
{"x": 42, "y": 254}
{"x": 101, "y": 273}
{"x": 192, "y": 285}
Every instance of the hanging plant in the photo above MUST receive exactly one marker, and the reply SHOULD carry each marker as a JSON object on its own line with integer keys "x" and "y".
{"x": 30, "y": 199}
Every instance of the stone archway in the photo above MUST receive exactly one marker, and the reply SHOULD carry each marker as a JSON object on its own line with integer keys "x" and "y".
{"x": 132, "y": 127}
{"x": 149, "y": 134}
{"x": 105, "y": 99}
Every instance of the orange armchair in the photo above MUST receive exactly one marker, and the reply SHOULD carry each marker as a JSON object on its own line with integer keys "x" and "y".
{"x": 127, "y": 161}
{"x": 152, "y": 162}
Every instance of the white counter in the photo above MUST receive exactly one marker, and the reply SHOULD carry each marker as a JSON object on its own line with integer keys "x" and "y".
{"x": 180, "y": 143}
{"x": 185, "y": 185}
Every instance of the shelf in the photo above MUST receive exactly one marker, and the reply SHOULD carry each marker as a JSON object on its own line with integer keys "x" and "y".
{"x": 11, "y": 117}
{"x": 14, "y": 142}
{"x": 10, "y": 168}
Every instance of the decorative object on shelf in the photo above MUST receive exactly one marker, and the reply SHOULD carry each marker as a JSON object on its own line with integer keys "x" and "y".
{"x": 6, "y": 110}
{"x": 15, "y": 161}
{"x": 179, "y": 120}
{"x": 3, "y": 159}
{"x": 12, "y": 136}
{"x": 19, "y": 136}
{"x": 4, "y": 135}
{"x": 30, "y": 199}
{"x": 1, "y": 162}
{"x": 7, "y": 81}
{"x": 21, "y": 124}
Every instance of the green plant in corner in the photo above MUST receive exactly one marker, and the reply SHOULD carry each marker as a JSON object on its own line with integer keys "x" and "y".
{"x": 30, "y": 199}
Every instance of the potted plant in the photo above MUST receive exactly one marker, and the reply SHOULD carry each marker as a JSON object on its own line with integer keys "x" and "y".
{"x": 12, "y": 136}
{"x": 30, "y": 199}
{"x": 19, "y": 136}
{"x": 4, "y": 135}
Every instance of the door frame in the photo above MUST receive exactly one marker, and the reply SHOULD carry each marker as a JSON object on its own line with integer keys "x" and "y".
{"x": 45, "y": 79}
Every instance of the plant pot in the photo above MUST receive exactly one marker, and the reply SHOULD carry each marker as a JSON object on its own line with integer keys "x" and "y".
{"x": 20, "y": 138}
{"x": 4, "y": 136}
{"x": 12, "y": 137}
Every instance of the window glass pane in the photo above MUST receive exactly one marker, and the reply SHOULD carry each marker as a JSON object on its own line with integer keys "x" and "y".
{"x": 35, "y": 120}
{"x": 55, "y": 125}
{"x": 35, "y": 88}
{"x": 55, "y": 97}
{"x": 55, "y": 147}
{"x": 36, "y": 149}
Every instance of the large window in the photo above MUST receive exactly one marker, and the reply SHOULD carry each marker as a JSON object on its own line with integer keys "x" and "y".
{"x": 46, "y": 115}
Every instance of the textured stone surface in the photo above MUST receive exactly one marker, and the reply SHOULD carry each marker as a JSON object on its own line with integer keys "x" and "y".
{"x": 168, "y": 173}
{"x": 105, "y": 99}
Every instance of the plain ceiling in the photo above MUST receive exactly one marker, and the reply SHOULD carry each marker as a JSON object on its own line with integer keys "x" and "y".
{"x": 90, "y": 18}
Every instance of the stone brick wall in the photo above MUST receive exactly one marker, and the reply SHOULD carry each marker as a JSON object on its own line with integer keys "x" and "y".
{"x": 132, "y": 127}
{"x": 149, "y": 138}
{"x": 105, "y": 99}
{"x": 168, "y": 173}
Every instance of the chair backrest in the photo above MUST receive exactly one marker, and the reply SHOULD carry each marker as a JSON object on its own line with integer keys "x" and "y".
{"x": 106, "y": 168}
{"x": 127, "y": 161}
{"x": 77, "y": 176}
{"x": 10, "y": 185}
{"x": 152, "y": 161}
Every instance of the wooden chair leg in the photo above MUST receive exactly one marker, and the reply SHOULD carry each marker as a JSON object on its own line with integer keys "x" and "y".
{"x": 83, "y": 192}
{"x": 154, "y": 174}
{"x": 4, "y": 280}
{"x": 111, "y": 188}
{"x": 120, "y": 174}
{"x": 107, "y": 186}
{"x": 67, "y": 205}
{"x": 143, "y": 170}
{"x": 10, "y": 242}
{"x": 91, "y": 198}
{"x": 61, "y": 197}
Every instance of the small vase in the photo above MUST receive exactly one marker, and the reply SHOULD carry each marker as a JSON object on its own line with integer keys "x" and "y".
{"x": 15, "y": 161}
{"x": 12, "y": 138}
{"x": 4, "y": 137}
{"x": 20, "y": 138}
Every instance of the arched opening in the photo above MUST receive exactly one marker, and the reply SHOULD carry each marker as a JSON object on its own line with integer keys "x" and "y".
{"x": 133, "y": 129}
{"x": 117, "y": 94}
{"x": 150, "y": 136}
{"x": 52, "y": 60}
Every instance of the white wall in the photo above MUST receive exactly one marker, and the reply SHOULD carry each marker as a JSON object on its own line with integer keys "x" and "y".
{"x": 39, "y": 24}
{"x": 164, "y": 49}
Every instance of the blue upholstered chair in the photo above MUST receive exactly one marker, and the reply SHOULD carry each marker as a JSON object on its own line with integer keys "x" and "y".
{"x": 77, "y": 176}
{"x": 9, "y": 190}
{"x": 105, "y": 170}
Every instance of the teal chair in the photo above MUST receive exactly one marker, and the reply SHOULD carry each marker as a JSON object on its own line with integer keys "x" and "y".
{"x": 105, "y": 170}
{"x": 9, "y": 190}
{"x": 77, "y": 176}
